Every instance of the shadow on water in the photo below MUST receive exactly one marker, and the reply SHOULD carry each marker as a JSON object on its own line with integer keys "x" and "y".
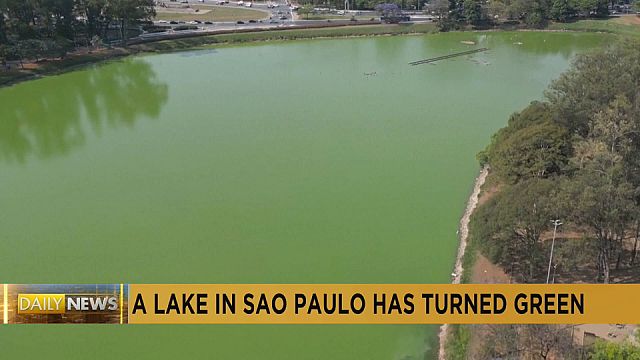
{"x": 51, "y": 117}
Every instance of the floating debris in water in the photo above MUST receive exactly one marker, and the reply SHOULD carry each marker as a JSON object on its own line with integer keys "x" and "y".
{"x": 480, "y": 62}
{"x": 468, "y": 42}
{"x": 518, "y": 43}
{"x": 371, "y": 74}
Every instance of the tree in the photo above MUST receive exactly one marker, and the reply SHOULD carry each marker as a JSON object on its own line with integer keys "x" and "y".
{"x": 592, "y": 7}
{"x": 586, "y": 142}
{"x": 604, "y": 205}
{"x": 3, "y": 26}
{"x": 305, "y": 10}
{"x": 537, "y": 151}
{"x": 592, "y": 83}
{"x": 560, "y": 10}
{"x": 510, "y": 227}
{"x": 455, "y": 12}
{"x": 440, "y": 8}
{"x": 473, "y": 11}
{"x": 530, "y": 146}
{"x": 604, "y": 350}
{"x": 388, "y": 10}
{"x": 127, "y": 12}
{"x": 97, "y": 16}
{"x": 536, "y": 14}
{"x": 527, "y": 342}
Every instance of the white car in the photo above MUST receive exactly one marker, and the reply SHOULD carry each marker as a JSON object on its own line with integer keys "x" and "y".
{"x": 240, "y": 3}
{"x": 163, "y": 22}
{"x": 248, "y": 4}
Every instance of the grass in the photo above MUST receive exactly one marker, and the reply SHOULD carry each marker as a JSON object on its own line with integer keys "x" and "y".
{"x": 214, "y": 13}
{"x": 457, "y": 342}
{"x": 612, "y": 25}
{"x": 342, "y": 31}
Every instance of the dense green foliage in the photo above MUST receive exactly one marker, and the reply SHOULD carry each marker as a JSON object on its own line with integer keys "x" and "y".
{"x": 457, "y": 342}
{"x": 533, "y": 13}
{"x": 455, "y": 12}
{"x": 31, "y": 29}
{"x": 576, "y": 158}
{"x": 532, "y": 145}
{"x": 611, "y": 351}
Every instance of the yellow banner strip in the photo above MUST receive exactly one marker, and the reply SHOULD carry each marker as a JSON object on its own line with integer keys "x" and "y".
{"x": 121, "y": 302}
{"x": 382, "y": 304}
{"x": 5, "y": 304}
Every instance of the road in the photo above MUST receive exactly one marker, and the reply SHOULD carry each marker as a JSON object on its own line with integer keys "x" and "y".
{"x": 279, "y": 16}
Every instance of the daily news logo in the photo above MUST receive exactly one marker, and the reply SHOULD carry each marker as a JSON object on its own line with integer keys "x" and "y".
{"x": 65, "y": 303}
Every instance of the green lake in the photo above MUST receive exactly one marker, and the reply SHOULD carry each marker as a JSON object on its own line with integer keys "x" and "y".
{"x": 323, "y": 161}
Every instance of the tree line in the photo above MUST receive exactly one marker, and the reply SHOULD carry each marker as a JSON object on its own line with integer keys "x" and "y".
{"x": 30, "y": 29}
{"x": 533, "y": 13}
{"x": 574, "y": 157}
{"x": 456, "y": 13}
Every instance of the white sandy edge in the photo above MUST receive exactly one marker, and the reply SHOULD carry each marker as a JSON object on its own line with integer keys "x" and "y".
{"x": 464, "y": 234}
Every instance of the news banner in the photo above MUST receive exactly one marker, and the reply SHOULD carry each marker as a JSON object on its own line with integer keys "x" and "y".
{"x": 318, "y": 304}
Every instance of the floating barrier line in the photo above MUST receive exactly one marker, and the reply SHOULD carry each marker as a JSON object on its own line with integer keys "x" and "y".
{"x": 426, "y": 61}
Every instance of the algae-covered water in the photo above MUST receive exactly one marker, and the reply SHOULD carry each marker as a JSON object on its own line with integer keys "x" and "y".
{"x": 325, "y": 161}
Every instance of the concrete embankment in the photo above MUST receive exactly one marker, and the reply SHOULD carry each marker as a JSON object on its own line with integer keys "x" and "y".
{"x": 464, "y": 234}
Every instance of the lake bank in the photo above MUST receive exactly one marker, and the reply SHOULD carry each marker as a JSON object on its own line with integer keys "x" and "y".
{"x": 463, "y": 231}
{"x": 194, "y": 41}
{"x": 74, "y": 61}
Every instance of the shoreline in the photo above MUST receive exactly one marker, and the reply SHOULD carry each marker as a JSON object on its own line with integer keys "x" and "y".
{"x": 458, "y": 269}
{"x": 187, "y": 42}
{"x": 200, "y": 41}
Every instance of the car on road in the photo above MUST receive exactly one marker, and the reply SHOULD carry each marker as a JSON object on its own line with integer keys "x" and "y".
{"x": 208, "y": 22}
{"x": 273, "y": 21}
{"x": 240, "y": 22}
{"x": 163, "y": 22}
{"x": 283, "y": 18}
{"x": 252, "y": 21}
{"x": 173, "y": 22}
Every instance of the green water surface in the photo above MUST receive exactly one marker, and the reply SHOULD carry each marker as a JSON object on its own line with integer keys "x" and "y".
{"x": 326, "y": 161}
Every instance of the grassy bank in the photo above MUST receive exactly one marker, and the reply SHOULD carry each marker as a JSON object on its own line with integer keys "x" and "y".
{"x": 292, "y": 34}
{"x": 620, "y": 26}
{"x": 56, "y": 66}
